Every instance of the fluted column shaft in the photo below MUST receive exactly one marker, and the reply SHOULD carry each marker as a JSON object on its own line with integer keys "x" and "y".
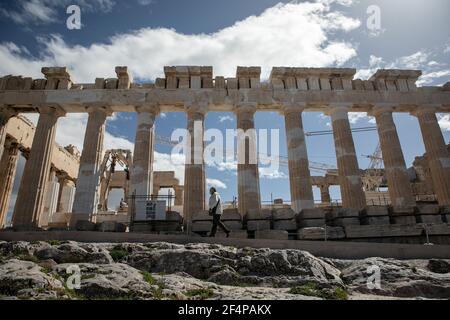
{"x": 194, "y": 174}
{"x": 437, "y": 154}
{"x": 349, "y": 174}
{"x": 31, "y": 196}
{"x": 8, "y": 167}
{"x": 5, "y": 115}
{"x": 299, "y": 175}
{"x": 88, "y": 182}
{"x": 141, "y": 179}
{"x": 249, "y": 197}
{"x": 399, "y": 187}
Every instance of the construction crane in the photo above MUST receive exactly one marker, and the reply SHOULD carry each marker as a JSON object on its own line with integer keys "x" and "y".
{"x": 111, "y": 159}
{"x": 373, "y": 178}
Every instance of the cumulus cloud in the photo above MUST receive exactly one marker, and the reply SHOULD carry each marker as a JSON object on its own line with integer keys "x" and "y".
{"x": 216, "y": 183}
{"x": 444, "y": 122}
{"x": 298, "y": 34}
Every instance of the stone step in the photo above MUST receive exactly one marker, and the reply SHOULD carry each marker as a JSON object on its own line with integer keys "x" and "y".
{"x": 315, "y": 213}
{"x": 253, "y": 225}
{"x": 353, "y": 232}
{"x": 285, "y": 224}
{"x": 332, "y": 233}
{"x": 272, "y": 234}
{"x": 310, "y": 223}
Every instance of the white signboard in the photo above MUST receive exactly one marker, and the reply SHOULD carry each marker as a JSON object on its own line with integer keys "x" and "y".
{"x": 150, "y": 210}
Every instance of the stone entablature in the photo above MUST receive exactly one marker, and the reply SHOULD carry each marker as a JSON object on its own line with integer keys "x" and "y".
{"x": 315, "y": 89}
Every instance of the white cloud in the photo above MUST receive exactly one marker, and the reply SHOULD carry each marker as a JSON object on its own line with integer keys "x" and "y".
{"x": 430, "y": 77}
{"x": 444, "y": 122}
{"x": 225, "y": 118}
{"x": 355, "y": 117}
{"x": 296, "y": 34}
{"x": 216, "y": 184}
{"x": 271, "y": 174}
{"x": 46, "y": 11}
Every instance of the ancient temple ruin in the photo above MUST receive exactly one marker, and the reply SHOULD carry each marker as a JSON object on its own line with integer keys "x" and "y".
{"x": 194, "y": 90}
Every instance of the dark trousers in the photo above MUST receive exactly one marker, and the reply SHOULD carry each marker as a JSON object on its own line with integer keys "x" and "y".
{"x": 217, "y": 222}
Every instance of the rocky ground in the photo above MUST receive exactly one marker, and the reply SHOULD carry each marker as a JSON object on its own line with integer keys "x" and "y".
{"x": 46, "y": 270}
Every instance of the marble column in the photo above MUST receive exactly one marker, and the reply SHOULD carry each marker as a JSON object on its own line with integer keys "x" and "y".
{"x": 8, "y": 166}
{"x": 299, "y": 175}
{"x": 352, "y": 192}
{"x": 437, "y": 154}
{"x": 51, "y": 199}
{"x": 31, "y": 196}
{"x": 88, "y": 183}
{"x": 249, "y": 197}
{"x": 325, "y": 194}
{"x": 194, "y": 174}
{"x": 141, "y": 179}
{"x": 5, "y": 115}
{"x": 399, "y": 186}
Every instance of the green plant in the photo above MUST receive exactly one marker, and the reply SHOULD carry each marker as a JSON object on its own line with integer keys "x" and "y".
{"x": 46, "y": 270}
{"x": 311, "y": 290}
{"x": 25, "y": 257}
{"x": 149, "y": 278}
{"x": 203, "y": 293}
{"x": 54, "y": 242}
{"x": 118, "y": 253}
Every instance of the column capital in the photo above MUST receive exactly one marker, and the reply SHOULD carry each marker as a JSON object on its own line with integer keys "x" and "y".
{"x": 193, "y": 108}
{"x": 381, "y": 108}
{"x": 152, "y": 108}
{"x": 245, "y": 108}
{"x": 292, "y": 108}
{"x": 52, "y": 109}
{"x": 424, "y": 109}
{"x": 99, "y": 109}
{"x": 337, "y": 107}
{"x": 12, "y": 145}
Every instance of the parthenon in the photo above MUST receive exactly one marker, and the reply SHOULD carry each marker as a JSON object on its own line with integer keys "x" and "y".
{"x": 194, "y": 90}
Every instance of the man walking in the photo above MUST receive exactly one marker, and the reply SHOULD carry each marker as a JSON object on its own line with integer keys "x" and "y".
{"x": 215, "y": 210}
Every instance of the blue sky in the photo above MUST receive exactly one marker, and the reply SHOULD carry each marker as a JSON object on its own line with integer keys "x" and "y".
{"x": 147, "y": 35}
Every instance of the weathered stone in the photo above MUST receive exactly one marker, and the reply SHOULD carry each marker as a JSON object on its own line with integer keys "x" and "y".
{"x": 375, "y": 220}
{"x": 382, "y": 231}
{"x": 341, "y": 222}
{"x": 285, "y": 224}
{"x": 438, "y": 266}
{"x": 231, "y": 214}
{"x": 284, "y": 214}
{"x": 271, "y": 234}
{"x": 84, "y": 225}
{"x": 253, "y": 225}
{"x": 309, "y": 223}
{"x": 429, "y": 218}
{"x": 259, "y": 214}
{"x": 428, "y": 209}
{"x": 234, "y": 234}
{"x": 315, "y": 213}
{"x": 404, "y": 219}
{"x": 317, "y": 233}
{"x": 372, "y": 211}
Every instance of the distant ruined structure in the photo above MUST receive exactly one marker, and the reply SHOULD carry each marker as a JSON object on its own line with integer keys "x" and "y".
{"x": 60, "y": 180}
